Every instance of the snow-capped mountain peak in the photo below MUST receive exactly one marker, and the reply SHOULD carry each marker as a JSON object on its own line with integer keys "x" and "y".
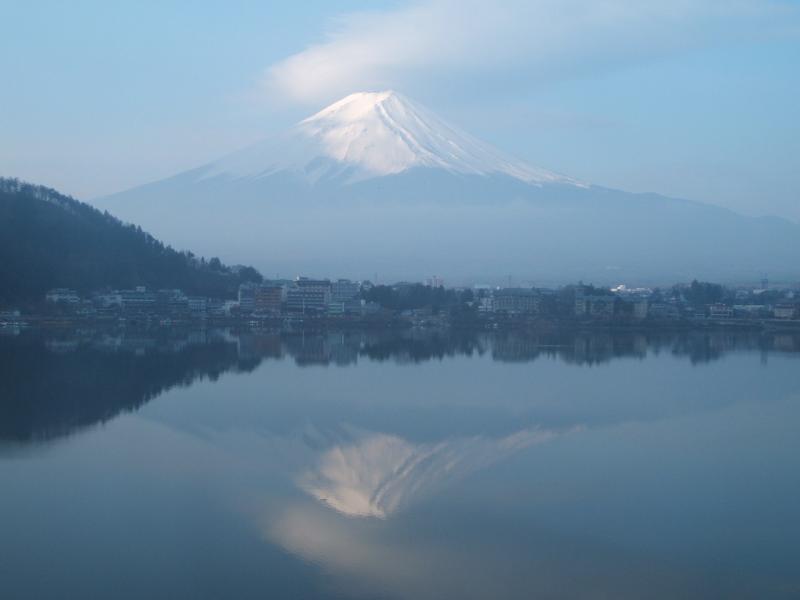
{"x": 372, "y": 134}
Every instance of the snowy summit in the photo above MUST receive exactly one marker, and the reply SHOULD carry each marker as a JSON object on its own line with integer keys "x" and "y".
{"x": 377, "y": 183}
{"x": 372, "y": 134}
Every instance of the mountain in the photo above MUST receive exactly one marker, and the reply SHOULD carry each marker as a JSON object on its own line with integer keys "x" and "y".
{"x": 49, "y": 240}
{"x": 376, "y": 183}
{"x": 370, "y": 135}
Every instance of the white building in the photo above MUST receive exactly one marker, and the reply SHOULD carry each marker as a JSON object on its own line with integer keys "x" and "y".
{"x": 62, "y": 295}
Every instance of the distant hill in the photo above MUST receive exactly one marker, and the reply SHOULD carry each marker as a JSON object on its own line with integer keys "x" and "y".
{"x": 49, "y": 240}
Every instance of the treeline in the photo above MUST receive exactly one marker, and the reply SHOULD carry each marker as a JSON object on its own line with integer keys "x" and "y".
{"x": 49, "y": 240}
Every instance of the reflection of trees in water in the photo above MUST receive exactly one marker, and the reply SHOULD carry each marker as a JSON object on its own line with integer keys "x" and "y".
{"x": 421, "y": 346}
{"x": 704, "y": 347}
{"x": 599, "y": 347}
{"x": 580, "y": 348}
{"x": 52, "y": 384}
{"x": 51, "y": 387}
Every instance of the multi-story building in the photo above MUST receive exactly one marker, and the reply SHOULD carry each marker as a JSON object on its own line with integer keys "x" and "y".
{"x": 197, "y": 304}
{"x": 599, "y": 306}
{"x": 663, "y": 310}
{"x": 62, "y": 295}
{"x": 720, "y": 311}
{"x": 343, "y": 290}
{"x": 247, "y": 297}
{"x": 108, "y": 300}
{"x": 516, "y": 301}
{"x": 486, "y": 304}
{"x": 269, "y": 298}
{"x": 137, "y": 300}
{"x": 435, "y": 282}
{"x": 581, "y": 303}
{"x": 784, "y": 311}
{"x": 171, "y": 302}
{"x": 308, "y": 296}
{"x": 640, "y": 309}
{"x": 602, "y": 307}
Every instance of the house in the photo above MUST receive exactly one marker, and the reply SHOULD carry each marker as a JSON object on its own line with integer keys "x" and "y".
{"x": 720, "y": 311}
{"x": 65, "y": 295}
{"x": 784, "y": 311}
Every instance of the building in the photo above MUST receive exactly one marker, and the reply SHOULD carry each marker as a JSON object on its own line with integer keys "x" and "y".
{"x": 640, "y": 309}
{"x": 515, "y": 301}
{"x": 172, "y": 302}
{"x": 137, "y": 300}
{"x": 8, "y": 317}
{"x": 247, "y": 297}
{"x": 435, "y": 282}
{"x": 784, "y": 311}
{"x": 197, "y": 304}
{"x": 308, "y": 296}
{"x": 581, "y": 305}
{"x": 486, "y": 304}
{"x": 344, "y": 290}
{"x": 269, "y": 298}
{"x": 720, "y": 311}
{"x": 108, "y": 300}
{"x": 599, "y": 306}
{"x": 663, "y": 310}
{"x": 62, "y": 295}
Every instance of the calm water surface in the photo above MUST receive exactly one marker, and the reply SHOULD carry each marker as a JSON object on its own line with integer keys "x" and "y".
{"x": 399, "y": 465}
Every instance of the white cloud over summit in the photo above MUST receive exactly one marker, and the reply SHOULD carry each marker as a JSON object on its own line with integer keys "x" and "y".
{"x": 510, "y": 42}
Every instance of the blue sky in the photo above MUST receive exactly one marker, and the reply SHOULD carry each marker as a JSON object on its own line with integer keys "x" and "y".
{"x": 691, "y": 98}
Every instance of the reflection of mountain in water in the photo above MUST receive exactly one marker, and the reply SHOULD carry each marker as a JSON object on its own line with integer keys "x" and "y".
{"x": 375, "y": 474}
{"x": 51, "y": 384}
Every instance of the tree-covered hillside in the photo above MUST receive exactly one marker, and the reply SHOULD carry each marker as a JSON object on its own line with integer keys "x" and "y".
{"x": 49, "y": 240}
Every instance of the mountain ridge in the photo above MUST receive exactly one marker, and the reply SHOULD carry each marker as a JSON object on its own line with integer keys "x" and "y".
{"x": 362, "y": 204}
{"x": 376, "y": 134}
{"x": 50, "y": 240}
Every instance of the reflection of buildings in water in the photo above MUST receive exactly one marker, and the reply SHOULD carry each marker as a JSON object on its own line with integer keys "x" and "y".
{"x": 705, "y": 347}
{"x": 340, "y": 348}
{"x": 516, "y": 348}
{"x": 572, "y": 348}
{"x": 376, "y": 474}
{"x": 592, "y": 349}
{"x": 786, "y": 343}
{"x": 261, "y": 345}
{"x": 343, "y": 348}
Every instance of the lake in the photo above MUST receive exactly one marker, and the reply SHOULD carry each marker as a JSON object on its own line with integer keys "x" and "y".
{"x": 415, "y": 464}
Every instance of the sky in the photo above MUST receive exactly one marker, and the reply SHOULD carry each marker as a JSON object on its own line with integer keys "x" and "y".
{"x": 690, "y": 98}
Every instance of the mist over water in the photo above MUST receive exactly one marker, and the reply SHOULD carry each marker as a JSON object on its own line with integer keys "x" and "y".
{"x": 399, "y": 464}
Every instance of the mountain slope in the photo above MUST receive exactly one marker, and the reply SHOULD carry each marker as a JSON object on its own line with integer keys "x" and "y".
{"x": 50, "y": 240}
{"x": 372, "y": 134}
{"x": 377, "y": 183}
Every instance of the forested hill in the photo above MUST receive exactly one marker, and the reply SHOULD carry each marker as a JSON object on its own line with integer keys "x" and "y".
{"x": 49, "y": 240}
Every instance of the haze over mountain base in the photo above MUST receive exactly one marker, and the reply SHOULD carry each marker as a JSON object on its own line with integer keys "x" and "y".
{"x": 377, "y": 184}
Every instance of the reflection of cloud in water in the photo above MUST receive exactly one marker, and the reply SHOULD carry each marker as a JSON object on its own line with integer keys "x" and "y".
{"x": 376, "y": 474}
